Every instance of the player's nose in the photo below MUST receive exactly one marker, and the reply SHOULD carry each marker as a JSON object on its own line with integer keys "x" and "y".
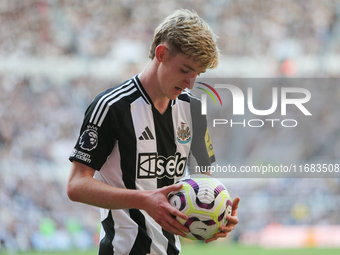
{"x": 191, "y": 82}
{"x": 191, "y": 78}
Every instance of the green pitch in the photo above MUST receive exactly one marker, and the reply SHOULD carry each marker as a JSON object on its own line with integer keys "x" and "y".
{"x": 210, "y": 249}
{"x": 220, "y": 249}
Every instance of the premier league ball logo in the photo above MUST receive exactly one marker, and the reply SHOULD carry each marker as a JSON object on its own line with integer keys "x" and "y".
{"x": 89, "y": 139}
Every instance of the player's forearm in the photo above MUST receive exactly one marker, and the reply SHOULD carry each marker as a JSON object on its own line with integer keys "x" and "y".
{"x": 96, "y": 193}
{"x": 82, "y": 187}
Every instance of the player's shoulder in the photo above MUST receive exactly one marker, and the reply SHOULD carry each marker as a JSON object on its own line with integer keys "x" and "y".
{"x": 187, "y": 96}
{"x": 118, "y": 97}
{"x": 194, "y": 102}
{"x": 114, "y": 99}
{"x": 116, "y": 92}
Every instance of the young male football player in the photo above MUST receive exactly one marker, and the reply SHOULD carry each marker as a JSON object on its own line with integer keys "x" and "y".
{"x": 137, "y": 139}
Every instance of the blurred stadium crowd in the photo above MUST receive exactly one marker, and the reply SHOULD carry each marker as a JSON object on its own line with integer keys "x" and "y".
{"x": 41, "y": 116}
{"x": 36, "y": 214}
{"x": 94, "y": 28}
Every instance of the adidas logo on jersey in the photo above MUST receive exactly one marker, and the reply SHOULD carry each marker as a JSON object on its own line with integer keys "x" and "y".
{"x": 151, "y": 165}
{"x": 146, "y": 135}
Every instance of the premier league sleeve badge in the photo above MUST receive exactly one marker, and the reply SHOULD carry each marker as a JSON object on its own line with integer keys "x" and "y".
{"x": 89, "y": 139}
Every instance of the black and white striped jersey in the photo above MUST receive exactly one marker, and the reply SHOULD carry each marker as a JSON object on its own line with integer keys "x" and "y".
{"x": 133, "y": 146}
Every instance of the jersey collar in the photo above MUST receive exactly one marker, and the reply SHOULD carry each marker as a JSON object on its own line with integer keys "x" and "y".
{"x": 145, "y": 94}
{"x": 141, "y": 89}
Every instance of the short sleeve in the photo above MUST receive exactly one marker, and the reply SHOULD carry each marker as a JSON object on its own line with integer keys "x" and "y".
{"x": 95, "y": 142}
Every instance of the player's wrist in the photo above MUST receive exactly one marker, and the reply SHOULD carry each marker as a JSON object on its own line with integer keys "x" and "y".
{"x": 142, "y": 197}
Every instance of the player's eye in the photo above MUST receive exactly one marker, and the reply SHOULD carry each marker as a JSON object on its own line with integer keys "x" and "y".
{"x": 184, "y": 71}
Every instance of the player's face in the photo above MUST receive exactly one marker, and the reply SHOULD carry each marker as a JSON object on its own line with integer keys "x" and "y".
{"x": 175, "y": 75}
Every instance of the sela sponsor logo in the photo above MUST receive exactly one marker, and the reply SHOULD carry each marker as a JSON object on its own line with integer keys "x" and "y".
{"x": 183, "y": 134}
{"x": 152, "y": 165}
{"x": 89, "y": 138}
{"x": 238, "y": 97}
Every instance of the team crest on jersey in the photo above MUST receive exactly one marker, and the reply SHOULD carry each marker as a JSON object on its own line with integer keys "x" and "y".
{"x": 183, "y": 133}
{"x": 89, "y": 139}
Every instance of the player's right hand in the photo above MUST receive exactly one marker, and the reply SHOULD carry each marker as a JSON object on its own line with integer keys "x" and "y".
{"x": 158, "y": 207}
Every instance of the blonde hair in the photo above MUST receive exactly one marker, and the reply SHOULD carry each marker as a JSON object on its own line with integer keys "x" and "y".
{"x": 187, "y": 33}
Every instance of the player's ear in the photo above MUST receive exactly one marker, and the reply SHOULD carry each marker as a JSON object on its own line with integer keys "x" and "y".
{"x": 160, "y": 52}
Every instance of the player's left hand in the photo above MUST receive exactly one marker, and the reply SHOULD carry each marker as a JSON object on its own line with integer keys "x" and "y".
{"x": 232, "y": 221}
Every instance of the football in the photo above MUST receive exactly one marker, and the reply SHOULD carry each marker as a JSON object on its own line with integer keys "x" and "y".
{"x": 207, "y": 203}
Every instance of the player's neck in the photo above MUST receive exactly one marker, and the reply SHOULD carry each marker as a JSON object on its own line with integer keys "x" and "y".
{"x": 161, "y": 105}
{"x": 148, "y": 78}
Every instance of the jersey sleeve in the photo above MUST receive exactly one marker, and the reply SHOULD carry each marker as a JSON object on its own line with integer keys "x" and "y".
{"x": 202, "y": 152}
{"x": 96, "y": 139}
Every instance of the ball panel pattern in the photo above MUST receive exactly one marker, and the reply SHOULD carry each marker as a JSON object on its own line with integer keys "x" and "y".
{"x": 207, "y": 203}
